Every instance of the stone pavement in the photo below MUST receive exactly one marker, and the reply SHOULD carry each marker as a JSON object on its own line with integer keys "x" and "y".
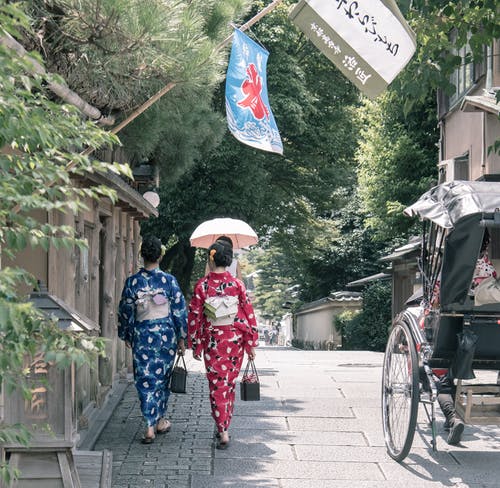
{"x": 318, "y": 424}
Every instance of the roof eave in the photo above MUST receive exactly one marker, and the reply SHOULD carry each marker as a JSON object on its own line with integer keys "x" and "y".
{"x": 480, "y": 104}
{"x": 134, "y": 201}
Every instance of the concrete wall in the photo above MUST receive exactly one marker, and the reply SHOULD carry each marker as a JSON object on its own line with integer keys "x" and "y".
{"x": 315, "y": 325}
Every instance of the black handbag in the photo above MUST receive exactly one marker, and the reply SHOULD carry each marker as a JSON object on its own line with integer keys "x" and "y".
{"x": 179, "y": 376}
{"x": 250, "y": 384}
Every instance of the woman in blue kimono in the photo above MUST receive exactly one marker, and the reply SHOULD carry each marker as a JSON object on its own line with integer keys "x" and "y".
{"x": 153, "y": 322}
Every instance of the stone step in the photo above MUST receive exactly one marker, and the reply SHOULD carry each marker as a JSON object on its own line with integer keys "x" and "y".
{"x": 94, "y": 468}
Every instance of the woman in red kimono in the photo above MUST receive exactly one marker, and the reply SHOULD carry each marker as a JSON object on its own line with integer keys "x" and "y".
{"x": 222, "y": 340}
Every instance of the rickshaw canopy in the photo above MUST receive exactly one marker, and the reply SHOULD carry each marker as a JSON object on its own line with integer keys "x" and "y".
{"x": 461, "y": 207}
{"x": 449, "y": 202}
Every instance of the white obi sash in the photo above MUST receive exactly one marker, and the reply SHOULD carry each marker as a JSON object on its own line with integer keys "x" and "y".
{"x": 221, "y": 310}
{"x": 151, "y": 305}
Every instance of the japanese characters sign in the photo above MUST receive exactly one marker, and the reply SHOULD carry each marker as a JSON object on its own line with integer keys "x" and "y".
{"x": 368, "y": 40}
{"x": 249, "y": 115}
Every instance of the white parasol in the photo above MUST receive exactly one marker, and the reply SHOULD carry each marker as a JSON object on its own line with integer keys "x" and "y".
{"x": 240, "y": 233}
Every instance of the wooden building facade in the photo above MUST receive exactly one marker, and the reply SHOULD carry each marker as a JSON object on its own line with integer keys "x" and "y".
{"x": 87, "y": 284}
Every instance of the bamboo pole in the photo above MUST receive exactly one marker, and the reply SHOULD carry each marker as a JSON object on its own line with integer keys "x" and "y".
{"x": 60, "y": 90}
{"x": 251, "y": 22}
{"x": 143, "y": 107}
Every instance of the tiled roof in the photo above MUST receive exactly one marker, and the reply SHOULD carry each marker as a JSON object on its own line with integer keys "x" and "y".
{"x": 338, "y": 296}
{"x": 369, "y": 279}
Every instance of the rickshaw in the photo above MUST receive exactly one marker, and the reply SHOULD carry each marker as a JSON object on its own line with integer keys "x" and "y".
{"x": 424, "y": 340}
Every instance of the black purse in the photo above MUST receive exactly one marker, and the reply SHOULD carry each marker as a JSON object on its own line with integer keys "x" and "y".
{"x": 178, "y": 377}
{"x": 250, "y": 384}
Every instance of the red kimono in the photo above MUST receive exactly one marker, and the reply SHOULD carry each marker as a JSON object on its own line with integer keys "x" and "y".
{"x": 222, "y": 346}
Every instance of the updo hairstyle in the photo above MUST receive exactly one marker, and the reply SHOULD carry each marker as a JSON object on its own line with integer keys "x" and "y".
{"x": 151, "y": 249}
{"x": 225, "y": 239}
{"x": 221, "y": 253}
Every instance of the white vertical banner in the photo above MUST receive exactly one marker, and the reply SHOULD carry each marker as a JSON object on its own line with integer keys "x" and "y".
{"x": 367, "y": 40}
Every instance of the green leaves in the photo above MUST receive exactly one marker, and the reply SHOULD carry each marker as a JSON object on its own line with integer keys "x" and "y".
{"x": 397, "y": 159}
{"x": 37, "y": 172}
{"x": 40, "y": 141}
{"x": 116, "y": 53}
{"x": 368, "y": 330}
{"x": 442, "y": 29}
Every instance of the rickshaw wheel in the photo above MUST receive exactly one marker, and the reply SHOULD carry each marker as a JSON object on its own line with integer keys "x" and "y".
{"x": 400, "y": 392}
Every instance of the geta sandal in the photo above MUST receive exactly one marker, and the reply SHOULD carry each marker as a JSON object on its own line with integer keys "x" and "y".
{"x": 222, "y": 445}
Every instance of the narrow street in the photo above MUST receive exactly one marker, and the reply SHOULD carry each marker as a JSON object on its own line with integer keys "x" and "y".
{"x": 317, "y": 425}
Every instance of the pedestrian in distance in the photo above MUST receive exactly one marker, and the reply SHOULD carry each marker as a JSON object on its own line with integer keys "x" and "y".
{"x": 267, "y": 338}
{"x": 222, "y": 340}
{"x": 152, "y": 319}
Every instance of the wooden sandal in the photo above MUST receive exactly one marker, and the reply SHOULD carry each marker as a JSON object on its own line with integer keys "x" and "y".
{"x": 222, "y": 445}
{"x": 147, "y": 439}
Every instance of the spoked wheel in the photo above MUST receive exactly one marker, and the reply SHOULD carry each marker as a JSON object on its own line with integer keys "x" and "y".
{"x": 400, "y": 392}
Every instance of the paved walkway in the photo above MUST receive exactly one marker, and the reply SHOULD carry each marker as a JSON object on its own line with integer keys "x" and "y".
{"x": 317, "y": 425}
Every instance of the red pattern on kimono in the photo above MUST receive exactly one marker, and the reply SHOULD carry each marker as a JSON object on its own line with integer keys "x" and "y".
{"x": 222, "y": 346}
{"x": 484, "y": 269}
{"x": 223, "y": 358}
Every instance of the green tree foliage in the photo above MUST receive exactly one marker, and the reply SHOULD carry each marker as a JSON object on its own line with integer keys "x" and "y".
{"x": 397, "y": 159}
{"x": 283, "y": 197}
{"x": 272, "y": 281}
{"x": 39, "y": 140}
{"x": 176, "y": 131}
{"x": 474, "y": 25}
{"x": 115, "y": 53}
{"x": 368, "y": 329}
{"x": 118, "y": 53}
{"x": 345, "y": 250}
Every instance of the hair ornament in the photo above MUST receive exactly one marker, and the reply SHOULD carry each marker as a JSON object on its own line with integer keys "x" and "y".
{"x": 163, "y": 250}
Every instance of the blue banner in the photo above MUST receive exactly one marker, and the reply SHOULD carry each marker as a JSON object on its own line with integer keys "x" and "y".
{"x": 249, "y": 115}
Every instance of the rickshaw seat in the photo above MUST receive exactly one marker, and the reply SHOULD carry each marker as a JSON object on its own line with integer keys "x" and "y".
{"x": 483, "y": 322}
{"x": 469, "y": 307}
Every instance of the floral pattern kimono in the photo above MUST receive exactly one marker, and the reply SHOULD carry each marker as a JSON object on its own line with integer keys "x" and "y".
{"x": 484, "y": 269}
{"x": 222, "y": 346}
{"x": 152, "y": 318}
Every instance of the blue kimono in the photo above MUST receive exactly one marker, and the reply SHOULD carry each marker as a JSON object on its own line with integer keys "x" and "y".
{"x": 152, "y": 318}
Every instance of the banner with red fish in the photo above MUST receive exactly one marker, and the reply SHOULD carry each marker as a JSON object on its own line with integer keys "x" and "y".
{"x": 249, "y": 115}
